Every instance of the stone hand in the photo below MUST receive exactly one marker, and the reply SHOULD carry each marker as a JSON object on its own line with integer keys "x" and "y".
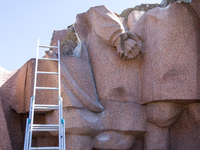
{"x": 128, "y": 45}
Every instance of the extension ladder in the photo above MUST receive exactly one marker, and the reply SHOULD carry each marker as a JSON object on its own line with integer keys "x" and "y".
{"x": 30, "y": 126}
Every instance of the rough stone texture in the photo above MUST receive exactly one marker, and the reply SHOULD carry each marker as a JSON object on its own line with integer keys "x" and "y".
{"x": 5, "y": 143}
{"x": 163, "y": 114}
{"x": 126, "y": 12}
{"x": 106, "y": 64}
{"x": 170, "y": 53}
{"x": 13, "y": 94}
{"x": 149, "y": 102}
{"x": 75, "y": 142}
{"x": 5, "y": 75}
{"x": 68, "y": 40}
{"x": 9, "y": 119}
{"x": 57, "y": 35}
{"x": 164, "y": 3}
{"x": 184, "y": 134}
{"x": 142, "y": 7}
{"x": 133, "y": 19}
{"x": 170, "y": 58}
{"x": 196, "y": 5}
{"x": 115, "y": 91}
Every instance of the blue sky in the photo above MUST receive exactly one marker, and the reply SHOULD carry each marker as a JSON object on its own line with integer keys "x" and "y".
{"x": 24, "y": 21}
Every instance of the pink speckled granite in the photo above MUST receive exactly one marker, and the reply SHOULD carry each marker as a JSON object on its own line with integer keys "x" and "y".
{"x": 12, "y": 93}
{"x": 57, "y": 35}
{"x": 5, "y": 143}
{"x": 170, "y": 58}
{"x": 195, "y": 4}
{"x": 150, "y": 102}
{"x": 117, "y": 80}
{"x": 170, "y": 75}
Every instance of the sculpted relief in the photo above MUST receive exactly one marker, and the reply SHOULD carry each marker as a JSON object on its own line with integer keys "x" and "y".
{"x": 131, "y": 83}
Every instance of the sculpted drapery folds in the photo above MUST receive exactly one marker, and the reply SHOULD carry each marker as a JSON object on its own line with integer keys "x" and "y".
{"x": 132, "y": 83}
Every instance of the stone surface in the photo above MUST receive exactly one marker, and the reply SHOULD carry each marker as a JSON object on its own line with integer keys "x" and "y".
{"x": 184, "y": 134}
{"x": 57, "y": 35}
{"x": 164, "y": 3}
{"x": 5, "y": 142}
{"x": 126, "y": 12}
{"x": 12, "y": 93}
{"x": 170, "y": 59}
{"x": 69, "y": 42}
{"x": 120, "y": 141}
{"x": 131, "y": 84}
{"x": 142, "y": 7}
{"x": 112, "y": 79}
{"x": 163, "y": 114}
{"x": 133, "y": 19}
{"x": 195, "y": 4}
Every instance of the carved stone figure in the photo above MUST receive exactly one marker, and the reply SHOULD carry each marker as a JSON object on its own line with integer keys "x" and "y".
{"x": 132, "y": 83}
{"x": 164, "y": 3}
{"x": 116, "y": 79}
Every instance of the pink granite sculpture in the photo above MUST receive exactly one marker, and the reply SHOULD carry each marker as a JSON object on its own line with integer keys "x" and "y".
{"x": 169, "y": 70}
{"x": 168, "y": 74}
{"x": 132, "y": 84}
{"x": 117, "y": 79}
{"x": 4, "y": 133}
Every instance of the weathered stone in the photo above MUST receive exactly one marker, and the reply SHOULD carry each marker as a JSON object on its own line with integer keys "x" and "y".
{"x": 132, "y": 83}
{"x": 163, "y": 114}
{"x": 164, "y": 3}
{"x": 170, "y": 60}
{"x": 142, "y": 7}
{"x": 133, "y": 19}
{"x": 69, "y": 42}
{"x": 4, "y": 133}
{"x": 145, "y": 7}
{"x": 97, "y": 28}
{"x": 57, "y": 35}
{"x": 12, "y": 93}
{"x": 126, "y": 12}
{"x": 196, "y": 5}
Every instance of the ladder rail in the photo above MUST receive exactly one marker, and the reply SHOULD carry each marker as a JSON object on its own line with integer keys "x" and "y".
{"x": 30, "y": 126}
{"x": 64, "y": 146}
{"x": 31, "y": 122}
{"x": 59, "y": 121}
{"x": 26, "y": 135}
{"x": 30, "y": 108}
{"x": 33, "y": 98}
{"x": 59, "y": 97}
{"x": 36, "y": 67}
{"x": 59, "y": 69}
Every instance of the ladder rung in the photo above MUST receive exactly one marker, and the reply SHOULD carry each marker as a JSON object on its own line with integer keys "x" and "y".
{"x": 43, "y": 106}
{"x": 46, "y": 88}
{"x": 46, "y": 46}
{"x": 54, "y": 59}
{"x": 45, "y": 127}
{"x": 43, "y": 72}
{"x": 44, "y": 148}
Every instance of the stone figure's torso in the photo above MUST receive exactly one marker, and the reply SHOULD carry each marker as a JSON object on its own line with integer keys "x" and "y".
{"x": 116, "y": 79}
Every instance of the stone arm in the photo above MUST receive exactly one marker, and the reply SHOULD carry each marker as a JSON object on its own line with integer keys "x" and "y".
{"x": 107, "y": 26}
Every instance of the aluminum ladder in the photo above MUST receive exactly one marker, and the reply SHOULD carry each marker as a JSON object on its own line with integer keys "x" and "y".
{"x": 30, "y": 126}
